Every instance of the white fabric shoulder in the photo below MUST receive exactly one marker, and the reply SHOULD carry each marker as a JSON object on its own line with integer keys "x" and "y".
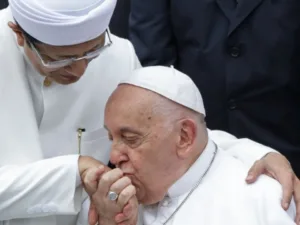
{"x": 267, "y": 194}
{"x": 244, "y": 149}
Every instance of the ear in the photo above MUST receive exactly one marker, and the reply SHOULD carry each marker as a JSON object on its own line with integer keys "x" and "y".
{"x": 16, "y": 29}
{"x": 187, "y": 136}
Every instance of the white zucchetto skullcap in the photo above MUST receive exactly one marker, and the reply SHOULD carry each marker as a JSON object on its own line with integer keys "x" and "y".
{"x": 170, "y": 83}
{"x": 63, "y": 22}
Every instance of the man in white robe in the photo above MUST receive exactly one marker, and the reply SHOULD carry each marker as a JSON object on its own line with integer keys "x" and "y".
{"x": 59, "y": 64}
{"x": 180, "y": 174}
{"x": 48, "y": 119}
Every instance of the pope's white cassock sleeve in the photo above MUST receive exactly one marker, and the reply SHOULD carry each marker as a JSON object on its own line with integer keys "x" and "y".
{"x": 271, "y": 212}
{"x": 244, "y": 149}
{"x": 47, "y": 185}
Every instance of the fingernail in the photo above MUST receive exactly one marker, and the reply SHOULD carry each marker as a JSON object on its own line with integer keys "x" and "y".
{"x": 286, "y": 205}
{"x": 250, "y": 177}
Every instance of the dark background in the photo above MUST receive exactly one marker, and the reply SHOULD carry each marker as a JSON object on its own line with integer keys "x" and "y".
{"x": 3, "y": 3}
{"x": 119, "y": 21}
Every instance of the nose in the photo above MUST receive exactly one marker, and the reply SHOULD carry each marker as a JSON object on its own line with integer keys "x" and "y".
{"x": 118, "y": 156}
{"x": 77, "y": 68}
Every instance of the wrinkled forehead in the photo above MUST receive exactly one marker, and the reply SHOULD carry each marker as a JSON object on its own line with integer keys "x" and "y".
{"x": 129, "y": 102}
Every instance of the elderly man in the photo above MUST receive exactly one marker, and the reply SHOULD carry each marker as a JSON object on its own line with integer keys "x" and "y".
{"x": 59, "y": 64}
{"x": 166, "y": 156}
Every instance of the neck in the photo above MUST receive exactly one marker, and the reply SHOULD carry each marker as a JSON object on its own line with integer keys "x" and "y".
{"x": 195, "y": 153}
{"x": 194, "y": 169}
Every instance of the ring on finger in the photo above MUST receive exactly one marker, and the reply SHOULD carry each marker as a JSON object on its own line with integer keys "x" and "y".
{"x": 113, "y": 196}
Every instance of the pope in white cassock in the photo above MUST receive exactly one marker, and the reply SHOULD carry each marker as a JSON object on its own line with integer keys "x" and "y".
{"x": 181, "y": 175}
{"x": 58, "y": 65}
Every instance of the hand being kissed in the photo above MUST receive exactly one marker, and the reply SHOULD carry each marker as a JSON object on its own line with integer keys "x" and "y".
{"x": 98, "y": 182}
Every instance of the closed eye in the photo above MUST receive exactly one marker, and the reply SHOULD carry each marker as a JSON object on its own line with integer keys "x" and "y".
{"x": 130, "y": 140}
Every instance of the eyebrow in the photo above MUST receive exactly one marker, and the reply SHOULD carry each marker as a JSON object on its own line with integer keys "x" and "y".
{"x": 126, "y": 130}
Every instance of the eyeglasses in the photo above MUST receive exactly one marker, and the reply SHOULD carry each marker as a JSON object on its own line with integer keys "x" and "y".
{"x": 57, "y": 64}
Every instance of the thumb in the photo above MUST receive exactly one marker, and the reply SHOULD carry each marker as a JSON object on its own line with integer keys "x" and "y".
{"x": 91, "y": 179}
{"x": 255, "y": 171}
{"x": 93, "y": 215}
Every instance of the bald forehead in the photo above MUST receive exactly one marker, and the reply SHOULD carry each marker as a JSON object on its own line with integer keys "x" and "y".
{"x": 125, "y": 94}
{"x": 131, "y": 101}
{"x": 139, "y": 99}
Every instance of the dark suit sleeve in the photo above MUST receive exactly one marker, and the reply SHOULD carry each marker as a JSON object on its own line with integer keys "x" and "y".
{"x": 151, "y": 32}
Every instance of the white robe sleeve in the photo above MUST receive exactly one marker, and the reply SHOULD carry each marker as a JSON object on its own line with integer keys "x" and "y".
{"x": 83, "y": 215}
{"x": 243, "y": 149}
{"x": 43, "y": 188}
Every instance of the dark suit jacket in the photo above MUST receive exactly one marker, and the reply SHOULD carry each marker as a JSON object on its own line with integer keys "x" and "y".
{"x": 245, "y": 59}
{"x": 119, "y": 20}
{"x": 3, "y": 4}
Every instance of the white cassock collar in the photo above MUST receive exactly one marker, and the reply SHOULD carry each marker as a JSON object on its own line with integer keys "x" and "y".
{"x": 192, "y": 176}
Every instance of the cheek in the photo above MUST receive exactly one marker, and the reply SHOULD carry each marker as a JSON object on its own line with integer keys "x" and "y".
{"x": 145, "y": 163}
{"x": 55, "y": 73}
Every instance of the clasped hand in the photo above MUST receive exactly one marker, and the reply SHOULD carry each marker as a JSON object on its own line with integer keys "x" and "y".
{"x": 98, "y": 182}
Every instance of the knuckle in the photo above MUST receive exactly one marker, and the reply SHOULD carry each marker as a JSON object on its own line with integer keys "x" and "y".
{"x": 85, "y": 180}
{"x": 105, "y": 178}
{"x": 289, "y": 174}
{"x": 118, "y": 172}
{"x": 127, "y": 180}
{"x": 94, "y": 198}
{"x": 256, "y": 165}
{"x": 123, "y": 194}
{"x": 131, "y": 190}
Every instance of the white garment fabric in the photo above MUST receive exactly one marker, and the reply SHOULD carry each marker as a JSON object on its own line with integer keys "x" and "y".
{"x": 222, "y": 197}
{"x": 63, "y": 23}
{"x": 169, "y": 83}
{"x": 36, "y": 188}
{"x": 39, "y": 149}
